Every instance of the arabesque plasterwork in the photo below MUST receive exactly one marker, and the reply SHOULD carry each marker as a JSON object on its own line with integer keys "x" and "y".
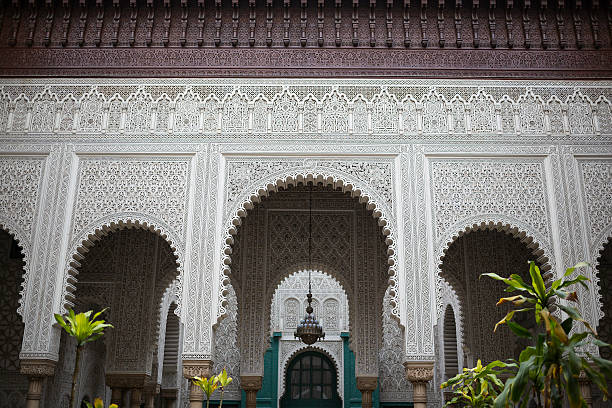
{"x": 201, "y": 152}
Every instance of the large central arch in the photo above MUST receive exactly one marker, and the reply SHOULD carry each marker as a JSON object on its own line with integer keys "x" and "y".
{"x": 243, "y": 192}
{"x": 271, "y": 242}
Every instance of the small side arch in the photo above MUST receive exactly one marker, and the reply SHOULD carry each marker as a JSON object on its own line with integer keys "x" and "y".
{"x": 86, "y": 239}
{"x": 16, "y": 233}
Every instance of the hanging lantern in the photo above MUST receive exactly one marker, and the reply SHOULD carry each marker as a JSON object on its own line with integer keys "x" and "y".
{"x": 309, "y": 330}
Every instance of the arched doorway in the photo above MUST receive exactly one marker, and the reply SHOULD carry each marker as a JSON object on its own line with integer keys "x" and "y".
{"x": 311, "y": 382}
{"x": 272, "y": 242}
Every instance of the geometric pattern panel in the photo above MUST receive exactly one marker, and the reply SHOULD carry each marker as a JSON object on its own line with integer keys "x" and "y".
{"x": 153, "y": 187}
{"x": 597, "y": 179}
{"x": 464, "y": 188}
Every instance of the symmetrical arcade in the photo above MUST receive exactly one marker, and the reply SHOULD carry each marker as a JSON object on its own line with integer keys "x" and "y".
{"x": 182, "y": 205}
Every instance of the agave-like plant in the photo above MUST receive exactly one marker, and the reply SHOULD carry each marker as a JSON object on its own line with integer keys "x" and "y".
{"x": 84, "y": 328}
{"x": 549, "y": 370}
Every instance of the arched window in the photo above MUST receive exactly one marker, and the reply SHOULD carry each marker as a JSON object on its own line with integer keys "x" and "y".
{"x": 311, "y": 379}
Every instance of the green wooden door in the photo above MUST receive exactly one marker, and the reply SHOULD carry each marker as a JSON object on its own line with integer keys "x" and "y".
{"x": 311, "y": 382}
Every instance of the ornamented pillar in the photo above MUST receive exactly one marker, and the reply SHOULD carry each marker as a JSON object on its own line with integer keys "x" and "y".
{"x": 169, "y": 397}
{"x": 151, "y": 389}
{"x": 419, "y": 373}
{"x": 120, "y": 383}
{"x": 135, "y": 397}
{"x": 585, "y": 389}
{"x": 196, "y": 368}
{"x": 251, "y": 384}
{"x": 366, "y": 385}
{"x": 36, "y": 370}
{"x": 116, "y": 395}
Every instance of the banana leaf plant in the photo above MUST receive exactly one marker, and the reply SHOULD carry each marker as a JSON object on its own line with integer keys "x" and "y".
{"x": 548, "y": 371}
{"x": 477, "y": 387}
{"x": 84, "y": 328}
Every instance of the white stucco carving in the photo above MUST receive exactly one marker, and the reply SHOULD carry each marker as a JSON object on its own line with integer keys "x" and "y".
{"x": 191, "y": 157}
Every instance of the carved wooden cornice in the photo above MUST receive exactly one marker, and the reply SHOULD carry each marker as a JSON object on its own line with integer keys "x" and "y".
{"x": 305, "y": 39}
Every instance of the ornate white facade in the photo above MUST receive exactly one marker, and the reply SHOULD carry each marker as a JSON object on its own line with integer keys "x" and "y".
{"x": 186, "y": 160}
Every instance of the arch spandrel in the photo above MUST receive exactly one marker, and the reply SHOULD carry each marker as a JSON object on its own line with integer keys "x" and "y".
{"x": 347, "y": 175}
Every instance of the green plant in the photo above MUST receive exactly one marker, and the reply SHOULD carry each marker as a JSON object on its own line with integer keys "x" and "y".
{"x": 477, "y": 387}
{"x": 209, "y": 385}
{"x": 548, "y": 371}
{"x": 84, "y": 328}
{"x": 99, "y": 404}
{"x": 223, "y": 381}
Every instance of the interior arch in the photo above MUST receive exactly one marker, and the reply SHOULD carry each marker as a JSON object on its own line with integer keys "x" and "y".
{"x": 496, "y": 249}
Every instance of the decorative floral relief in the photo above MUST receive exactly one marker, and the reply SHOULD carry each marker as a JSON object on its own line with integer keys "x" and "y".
{"x": 409, "y": 116}
{"x": 507, "y": 116}
{"x": 43, "y": 112}
{"x": 458, "y": 115}
{"x": 211, "y": 115}
{"x": 604, "y": 116}
{"x": 360, "y": 116}
{"x": 139, "y": 108}
{"x": 187, "y": 113}
{"x": 581, "y": 115}
{"x": 20, "y": 114}
{"x": 384, "y": 113}
{"x": 91, "y": 113}
{"x": 115, "y": 112}
{"x": 154, "y": 187}
{"x": 483, "y": 117}
{"x": 463, "y": 188}
{"x": 4, "y": 110}
{"x": 311, "y": 115}
{"x": 285, "y": 113}
{"x": 325, "y": 109}
{"x": 531, "y": 114}
{"x": 260, "y": 115}
{"x": 235, "y": 113}
{"x": 555, "y": 116}
{"x": 162, "y": 114}
{"x": 335, "y": 113}
{"x": 67, "y": 113}
{"x": 435, "y": 116}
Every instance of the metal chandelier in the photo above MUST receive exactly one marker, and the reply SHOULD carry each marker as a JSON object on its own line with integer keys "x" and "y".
{"x": 309, "y": 330}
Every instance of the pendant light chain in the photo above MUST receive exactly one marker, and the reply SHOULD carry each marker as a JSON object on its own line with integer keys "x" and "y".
{"x": 309, "y": 236}
{"x": 309, "y": 330}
